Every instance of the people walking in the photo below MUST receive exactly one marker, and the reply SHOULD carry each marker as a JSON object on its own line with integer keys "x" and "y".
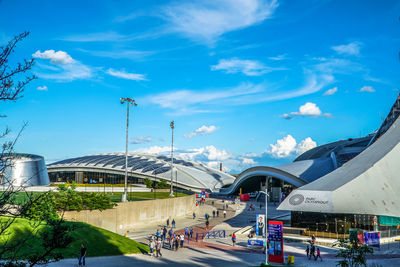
{"x": 168, "y": 222}
{"x": 213, "y": 213}
{"x": 312, "y": 252}
{"x": 182, "y": 240}
{"x": 177, "y": 243}
{"x": 318, "y": 255}
{"x": 207, "y": 224}
{"x": 158, "y": 248}
{"x": 173, "y": 223}
{"x": 194, "y": 215}
{"x": 307, "y": 250}
{"x": 217, "y": 213}
{"x": 157, "y": 234}
{"x": 164, "y": 233}
{"x": 233, "y": 239}
{"x": 224, "y": 213}
{"x": 82, "y": 255}
{"x": 152, "y": 246}
{"x": 191, "y": 232}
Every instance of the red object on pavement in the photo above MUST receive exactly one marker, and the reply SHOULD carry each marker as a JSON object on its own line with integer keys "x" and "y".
{"x": 244, "y": 197}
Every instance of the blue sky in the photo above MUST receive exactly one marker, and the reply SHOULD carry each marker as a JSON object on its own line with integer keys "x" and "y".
{"x": 247, "y": 82}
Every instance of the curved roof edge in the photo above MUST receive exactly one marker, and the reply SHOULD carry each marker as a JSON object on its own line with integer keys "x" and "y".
{"x": 262, "y": 171}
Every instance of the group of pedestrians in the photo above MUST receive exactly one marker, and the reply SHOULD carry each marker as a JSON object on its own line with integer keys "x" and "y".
{"x": 311, "y": 252}
{"x": 168, "y": 238}
{"x": 155, "y": 247}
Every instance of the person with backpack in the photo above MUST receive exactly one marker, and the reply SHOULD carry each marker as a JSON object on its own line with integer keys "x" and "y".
{"x": 233, "y": 239}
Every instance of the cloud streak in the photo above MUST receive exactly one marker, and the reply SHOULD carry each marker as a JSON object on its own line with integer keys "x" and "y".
{"x": 126, "y": 75}
{"x": 247, "y": 67}
{"x": 352, "y": 49}
{"x": 206, "y": 21}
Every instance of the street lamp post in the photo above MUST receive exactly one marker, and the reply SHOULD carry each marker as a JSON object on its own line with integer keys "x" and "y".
{"x": 172, "y": 125}
{"x": 129, "y": 102}
{"x": 266, "y": 219}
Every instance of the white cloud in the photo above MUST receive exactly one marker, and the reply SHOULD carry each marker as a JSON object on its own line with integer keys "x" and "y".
{"x": 126, "y": 75}
{"x": 203, "y": 130}
{"x": 352, "y": 49}
{"x": 42, "y": 88}
{"x": 155, "y": 150}
{"x": 206, "y": 21}
{"x": 247, "y": 67}
{"x": 331, "y": 91}
{"x": 287, "y": 146}
{"x": 278, "y": 57}
{"x": 308, "y": 109}
{"x": 59, "y": 57}
{"x": 248, "y": 161}
{"x": 305, "y": 145}
{"x": 141, "y": 140}
{"x": 64, "y": 67}
{"x": 369, "y": 89}
{"x": 283, "y": 147}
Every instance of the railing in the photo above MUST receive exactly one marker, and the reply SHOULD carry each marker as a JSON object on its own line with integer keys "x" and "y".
{"x": 213, "y": 234}
{"x": 325, "y": 234}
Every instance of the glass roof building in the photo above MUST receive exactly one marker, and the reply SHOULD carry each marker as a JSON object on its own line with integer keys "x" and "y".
{"x": 110, "y": 168}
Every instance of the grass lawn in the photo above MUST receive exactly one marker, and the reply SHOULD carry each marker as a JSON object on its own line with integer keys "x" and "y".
{"x": 135, "y": 196}
{"x": 115, "y": 197}
{"x": 99, "y": 242}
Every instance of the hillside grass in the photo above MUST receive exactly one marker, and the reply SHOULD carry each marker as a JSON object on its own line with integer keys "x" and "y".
{"x": 99, "y": 242}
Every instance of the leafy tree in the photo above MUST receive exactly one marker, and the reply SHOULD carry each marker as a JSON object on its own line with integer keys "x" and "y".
{"x": 162, "y": 184}
{"x": 148, "y": 183}
{"x": 353, "y": 254}
{"x": 47, "y": 226}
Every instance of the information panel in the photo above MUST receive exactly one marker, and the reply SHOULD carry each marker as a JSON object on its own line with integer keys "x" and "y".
{"x": 275, "y": 241}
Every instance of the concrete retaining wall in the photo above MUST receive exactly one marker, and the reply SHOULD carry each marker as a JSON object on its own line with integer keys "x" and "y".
{"x": 138, "y": 214}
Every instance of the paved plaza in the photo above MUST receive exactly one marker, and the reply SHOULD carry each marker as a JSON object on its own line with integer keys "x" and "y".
{"x": 219, "y": 251}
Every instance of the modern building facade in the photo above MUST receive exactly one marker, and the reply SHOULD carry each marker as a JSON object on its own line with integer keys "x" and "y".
{"x": 110, "y": 169}
{"x": 365, "y": 190}
{"x": 333, "y": 187}
{"x": 23, "y": 170}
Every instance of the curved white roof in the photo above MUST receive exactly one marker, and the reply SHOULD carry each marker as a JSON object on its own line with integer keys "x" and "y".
{"x": 187, "y": 174}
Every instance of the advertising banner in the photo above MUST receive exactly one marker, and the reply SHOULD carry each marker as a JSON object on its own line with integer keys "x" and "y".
{"x": 255, "y": 242}
{"x": 372, "y": 239}
{"x": 275, "y": 241}
{"x": 260, "y": 225}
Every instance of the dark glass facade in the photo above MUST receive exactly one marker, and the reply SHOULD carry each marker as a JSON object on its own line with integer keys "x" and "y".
{"x": 92, "y": 178}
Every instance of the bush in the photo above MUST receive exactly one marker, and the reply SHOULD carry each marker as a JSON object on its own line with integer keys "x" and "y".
{"x": 162, "y": 185}
{"x": 148, "y": 183}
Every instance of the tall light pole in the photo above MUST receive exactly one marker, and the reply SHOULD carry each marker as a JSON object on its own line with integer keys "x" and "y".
{"x": 129, "y": 102}
{"x": 266, "y": 219}
{"x": 172, "y": 125}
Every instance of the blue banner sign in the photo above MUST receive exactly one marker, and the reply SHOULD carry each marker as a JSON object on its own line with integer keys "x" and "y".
{"x": 372, "y": 239}
{"x": 255, "y": 242}
{"x": 275, "y": 232}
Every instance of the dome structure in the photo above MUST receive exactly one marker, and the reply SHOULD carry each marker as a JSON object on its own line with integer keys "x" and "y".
{"x": 24, "y": 170}
{"x": 110, "y": 168}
